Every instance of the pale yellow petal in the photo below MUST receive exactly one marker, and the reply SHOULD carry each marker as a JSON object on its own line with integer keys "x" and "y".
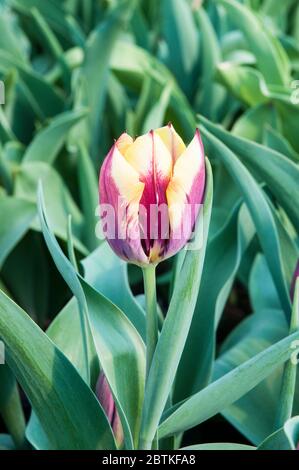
{"x": 124, "y": 142}
{"x": 180, "y": 189}
{"x": 148, "y": 152}
{"x": 172, "y": 140}
{"x": 126, "y": 178}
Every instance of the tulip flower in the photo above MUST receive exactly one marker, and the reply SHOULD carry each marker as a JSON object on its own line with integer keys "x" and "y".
{"x": 105, "y": 397}
{"x": 155, "y": 186}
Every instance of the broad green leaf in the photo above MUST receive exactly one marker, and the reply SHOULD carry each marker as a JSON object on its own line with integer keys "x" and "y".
{"x": 219, "y": 446}
{"x": 121, "y": 353}
{"x": 289, "y": 115}
{"x": 119, "y": 346}
{"x": 89, "y": 196}
{"x": 155, "y": 117}
{"x": 13, "y": 39}
{"x": 209, "y": 94}
{"x": 99, "y": 268}
{"x": 49, "y": 141}
{"x": 65, "y": 332}
{"x": 245, "y": 83}
{"x": 119, "y": 105}
{"x": 277, "y": 142}
{"x": 95, "y": 69}
{"x": 228, "y": 245}
{"x": 176, "y": 326}
{"x": 44, "y": 100}
{"x": 18, "y": 215}
{"x": 280, "y": 174}
{"x": 58, "y": 198}
{"x": 181, "y": 36}
{"x": 271, "y": 58}
{"x": 251, "y": 124}
{"x": 53, "y": 10}
{"x": 257, "y": 332}
{"x": 52, "y": 384}
{"x": 258, "y": 207}
{"x": 30, "y": 287}
{"x": 132, "y": 64}
{"x": 286, "y": 438}
{"x": 288, "y": 386}
{"x": 261, "y": 276}
{"x": 228, "y": 389}
{"x": 10, "y": 406}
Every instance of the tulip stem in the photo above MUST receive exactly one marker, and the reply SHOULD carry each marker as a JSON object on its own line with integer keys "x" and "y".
{"x": 149, "y": 279}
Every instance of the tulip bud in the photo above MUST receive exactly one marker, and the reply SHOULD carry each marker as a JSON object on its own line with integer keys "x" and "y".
{"x": 296, "y": 274}
{"x": 151, "y": 190}
{"x": 105, "y": 397}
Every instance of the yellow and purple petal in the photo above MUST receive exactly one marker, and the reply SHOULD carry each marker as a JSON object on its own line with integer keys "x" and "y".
{"x": 185, "y": 193}
{"x": 155, "y": 186}
{"x": 121, "y": 190}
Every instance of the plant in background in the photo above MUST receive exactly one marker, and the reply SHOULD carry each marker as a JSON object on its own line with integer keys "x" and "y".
{"x": 211, "y": 344}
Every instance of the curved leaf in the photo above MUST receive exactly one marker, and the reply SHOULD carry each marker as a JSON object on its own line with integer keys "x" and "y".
{"x": 120, "y": 349}
{"x": 228, "y": 388}
{"x": 175, "y": 328}
{"x": 260, "y": 212}
{"x": 52, "y": 384}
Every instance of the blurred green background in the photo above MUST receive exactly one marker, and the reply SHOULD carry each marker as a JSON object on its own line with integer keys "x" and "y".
{"x": 78, "y": 73}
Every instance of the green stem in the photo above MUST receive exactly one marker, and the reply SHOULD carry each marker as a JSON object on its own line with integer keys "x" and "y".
{"x": 149, "y": 279}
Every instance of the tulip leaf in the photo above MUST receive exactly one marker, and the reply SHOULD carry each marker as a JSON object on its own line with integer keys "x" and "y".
{"x": 58, "y": 198}
{"x": 228, "y": 244}
{"x": 271, "y": 57}
{"x": 52, "y": 384}
{"x": 181, "y": 36}
{"x": 281, "y": 174}
{"x": 89, "y": 196}
{"x": 95, "y": 70}
{"x": 11, "y": 407}
{"x": 219, "y": 446}
{"x": 277, "y": 142}
{"x": 18, "y": 215}
{"x": 100, "y": 267}
{"x": 251, "y": 125}
{"x": 65, "y": 332}
{"x": 12, "y": 38}
{"x": 120, "y": 349}
{"x": 133, "y": 64}
{"x": 176, "y": 326}
{"x": 288, "y": 384}
{"x": 286, "y": 438}
{"x": 49, "y": 141}
{"x": 228, "y": 389}
{"x": 245, "y": 83}
{"x": 260, "y": 275}
{"x": 260, "y": 212}
{"x": 44, "y": 100}
{"x": 210, "y": 94}
{"x": 258, "y": 331}
{"x": 54, "y": 11}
